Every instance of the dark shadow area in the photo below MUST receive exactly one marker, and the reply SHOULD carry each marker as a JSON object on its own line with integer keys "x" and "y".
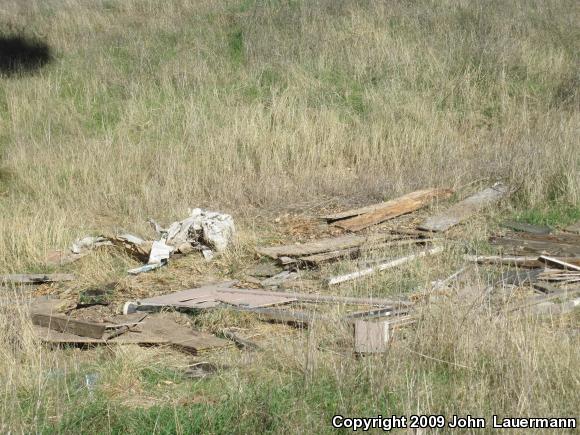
{"x": 21, "y": 55}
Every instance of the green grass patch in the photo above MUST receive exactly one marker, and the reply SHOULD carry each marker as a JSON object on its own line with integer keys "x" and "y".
{"x": 553, "y": 215}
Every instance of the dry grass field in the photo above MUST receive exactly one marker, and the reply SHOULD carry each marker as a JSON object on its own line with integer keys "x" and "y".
{"x": 283, "y": 108}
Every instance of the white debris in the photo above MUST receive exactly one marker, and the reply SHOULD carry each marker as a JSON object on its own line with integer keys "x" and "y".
{"x": 160, "y": 252}
{"x": 202, "y": 228}
{"x": 86, "y": 243}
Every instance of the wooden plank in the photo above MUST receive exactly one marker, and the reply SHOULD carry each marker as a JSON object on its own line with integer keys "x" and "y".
{"x": 210, "y": 296}
{"x": 62, "y": 323}
{"x": 464, "y": 209}
{"x": 371, "y": 336}
{"x": 364, "y": 218}
{"x": 326, "y": 298}
{"x": 324, "y": 257}
{"x": 392, "y": 209}
{"x": 374, "y": 207}
{"x": 322, "y": 245}
{"x": 383, "y": 266}
{"x": 556, "y": 262}
{"x": 35, "y": 278}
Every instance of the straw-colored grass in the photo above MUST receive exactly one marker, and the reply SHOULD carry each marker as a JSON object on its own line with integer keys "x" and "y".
{"x": 260, "y": 107}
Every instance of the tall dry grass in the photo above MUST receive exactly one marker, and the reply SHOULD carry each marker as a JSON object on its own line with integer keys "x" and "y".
{"x": 256, "y": 106}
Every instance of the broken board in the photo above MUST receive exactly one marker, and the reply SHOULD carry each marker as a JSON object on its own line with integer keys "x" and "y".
{"x": 155, "y": 330}
{"x": 464, "y": 209}
{"x": 358, "y": 219}
{"x": 211, "y": 296}
{"x": 323, "y": 245}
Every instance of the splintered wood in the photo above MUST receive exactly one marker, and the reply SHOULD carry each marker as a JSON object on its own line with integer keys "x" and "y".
{"x": 361, "y": 218}
{"x": 464, "y": 209}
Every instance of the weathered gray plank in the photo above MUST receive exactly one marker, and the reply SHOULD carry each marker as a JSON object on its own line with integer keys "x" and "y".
{"x": 317, "y": 259}
{"x": 323, "y": 245}
{"x": 464, "y": 209}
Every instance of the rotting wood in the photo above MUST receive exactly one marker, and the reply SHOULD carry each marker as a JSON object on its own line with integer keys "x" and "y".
{"x": 556, "y": 262}
{"x": 464, "y": 209}
{"x": 35, "y": 278}
{"x": 317, "y": 259}
{"x": 323, "y": 245}
{"x": 383, "y": 266}
{"x": 362, "y": 218}
{"x": 62, "y": 323}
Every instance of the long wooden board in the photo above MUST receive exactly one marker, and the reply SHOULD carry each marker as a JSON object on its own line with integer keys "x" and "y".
{"x": 211, "y": 296}
{"x": 364, "y": 218}
{"x": 324, "y": 257}
{"x": 323, "y": 245}
{"x": 464, "y": 209}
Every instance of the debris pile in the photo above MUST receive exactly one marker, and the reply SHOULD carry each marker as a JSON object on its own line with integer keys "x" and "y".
{"x": 204, "y": 231}
{"x": 544, "y": 263}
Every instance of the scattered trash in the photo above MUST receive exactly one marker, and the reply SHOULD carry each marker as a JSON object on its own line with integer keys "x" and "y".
{"x": 538, "y": 277}
{"x": 91, "y": 381}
